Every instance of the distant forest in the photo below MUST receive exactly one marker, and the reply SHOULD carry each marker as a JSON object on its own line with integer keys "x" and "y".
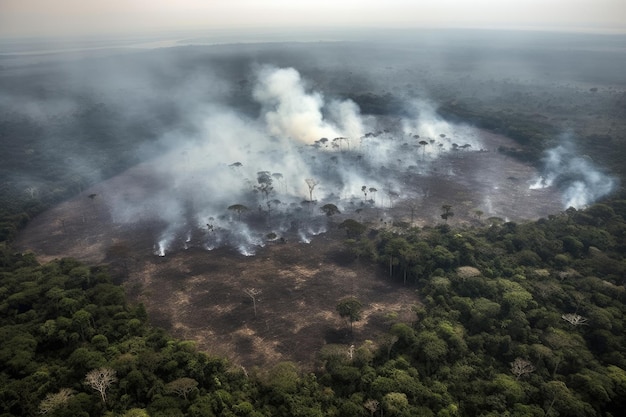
{"x": 510, "y": 319}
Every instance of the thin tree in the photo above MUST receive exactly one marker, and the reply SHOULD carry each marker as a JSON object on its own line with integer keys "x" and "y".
{"x": 423, "y": 144}
{"x": 373, "y": 191}
{"x": 350, "y": 308}
{"x": 279, "y": 178}
{"x": 264, "y": 186}
{"x": 252, "y": 293}
{"x": 447, "y": 212}
{"x": 311, "y": 183}
{"x": 31, "y": 191}
{"x": 393, "y": 196}
{"x": 100, "y": 380}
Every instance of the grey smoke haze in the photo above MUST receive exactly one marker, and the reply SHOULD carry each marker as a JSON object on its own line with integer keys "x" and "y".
{"x": 210, "y": 120}
{"x": 581, "y": 182}
{"x": 263, "y": 162}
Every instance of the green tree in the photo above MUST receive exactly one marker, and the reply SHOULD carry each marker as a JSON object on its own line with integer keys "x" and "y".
{"x": 181, "y": 386}
{"x": 446, "y": 212}
{"x": 395, "y": 403}
{"x": 350, "y": 308}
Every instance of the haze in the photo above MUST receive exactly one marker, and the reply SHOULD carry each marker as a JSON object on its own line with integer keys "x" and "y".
{"x": 20, "y": 18}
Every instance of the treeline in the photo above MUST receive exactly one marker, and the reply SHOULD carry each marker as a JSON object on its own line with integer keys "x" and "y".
{"x": 515, "y": 319}
{"x": 532, "y": 132}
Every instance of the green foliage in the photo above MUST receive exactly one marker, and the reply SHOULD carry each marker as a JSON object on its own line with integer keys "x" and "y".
{"x": 488, "y": 296}
{"x": 353, "y": 228}
{"x": 350, "y": 308}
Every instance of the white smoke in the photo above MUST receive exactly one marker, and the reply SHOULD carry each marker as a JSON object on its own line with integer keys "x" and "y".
{"x": 580, "y": 181}
{"x": 262, "y": 164}
{"x": 441, "y": 135}
{"x": 289, "y": 111}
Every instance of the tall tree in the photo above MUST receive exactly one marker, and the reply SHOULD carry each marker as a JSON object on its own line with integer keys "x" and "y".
{"x": 446, "y": 212}
{"x": 311, "y": 183}
{"x": 350, "y": 308}
{"x": 252, "y": 293}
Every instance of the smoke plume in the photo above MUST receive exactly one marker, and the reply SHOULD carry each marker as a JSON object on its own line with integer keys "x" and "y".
{"x": 289, "y": 111}
{"x": 580, "y": 181}
{"x": 241, "y": 181}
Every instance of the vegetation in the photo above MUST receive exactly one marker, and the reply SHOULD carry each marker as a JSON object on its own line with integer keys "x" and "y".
{"x": 350, "y": 308}
{"x": 510, "y": 319}
{"x": 515, "y": 319}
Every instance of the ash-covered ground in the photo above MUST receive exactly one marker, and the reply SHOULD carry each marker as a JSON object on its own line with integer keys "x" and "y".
{"x": 199, "y": 291}
{"x": 236, "y": 163}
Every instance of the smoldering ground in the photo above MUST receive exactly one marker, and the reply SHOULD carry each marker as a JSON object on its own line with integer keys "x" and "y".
{"x": 237, "y": 133}
{"x": 580, "y": 180}
{"x": 238, "y": 180}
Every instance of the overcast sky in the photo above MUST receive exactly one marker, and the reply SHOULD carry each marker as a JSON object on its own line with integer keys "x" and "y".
{"x": 78, "y": 17}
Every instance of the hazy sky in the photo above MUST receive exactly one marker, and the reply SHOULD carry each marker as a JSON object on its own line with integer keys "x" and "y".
{"x": 75, "y": 17}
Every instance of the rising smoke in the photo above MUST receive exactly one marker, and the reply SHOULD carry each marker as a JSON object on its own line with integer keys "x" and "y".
{"x": 580, "y": 181}
{"x": 241, "y": 181}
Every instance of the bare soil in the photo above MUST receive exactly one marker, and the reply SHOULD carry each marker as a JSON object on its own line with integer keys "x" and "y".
{"x": 200, "y": 295}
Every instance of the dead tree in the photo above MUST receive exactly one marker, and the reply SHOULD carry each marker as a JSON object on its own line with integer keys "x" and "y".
{"x": 373, "y": 191}
{"x": 100, "y": 380}
{"x": 521, "y": 367}
{"x": 311, "y": 183}
{"x": 423, "y": 144}
{"x": 574, "y": 319}
{"x": 371, "y": 406}
{"x": 56, "y": 400}
{"x": 252, "y": 293}
{"x": 393, "y": 196}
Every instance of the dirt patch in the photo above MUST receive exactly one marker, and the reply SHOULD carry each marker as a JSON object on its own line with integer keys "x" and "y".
{"x": 200, "y": 294}
{"x": 295, "y": 304}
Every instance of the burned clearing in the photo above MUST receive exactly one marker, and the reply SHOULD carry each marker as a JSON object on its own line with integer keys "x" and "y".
{"x": 212, "y": 185}
{"x": 200, "y": 294}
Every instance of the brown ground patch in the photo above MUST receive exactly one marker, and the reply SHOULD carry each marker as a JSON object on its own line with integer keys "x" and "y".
{"x": 199, "y": 294}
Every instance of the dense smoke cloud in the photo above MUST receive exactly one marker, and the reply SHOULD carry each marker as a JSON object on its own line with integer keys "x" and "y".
{"x": 580, "y": 181}
{"x": 289, "y": 111}
{"x": 243, "y": 180}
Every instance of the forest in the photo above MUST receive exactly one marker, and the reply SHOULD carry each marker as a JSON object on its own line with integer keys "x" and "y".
{"x": 512, "y": 319}
{"x": 520, "y": 318}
